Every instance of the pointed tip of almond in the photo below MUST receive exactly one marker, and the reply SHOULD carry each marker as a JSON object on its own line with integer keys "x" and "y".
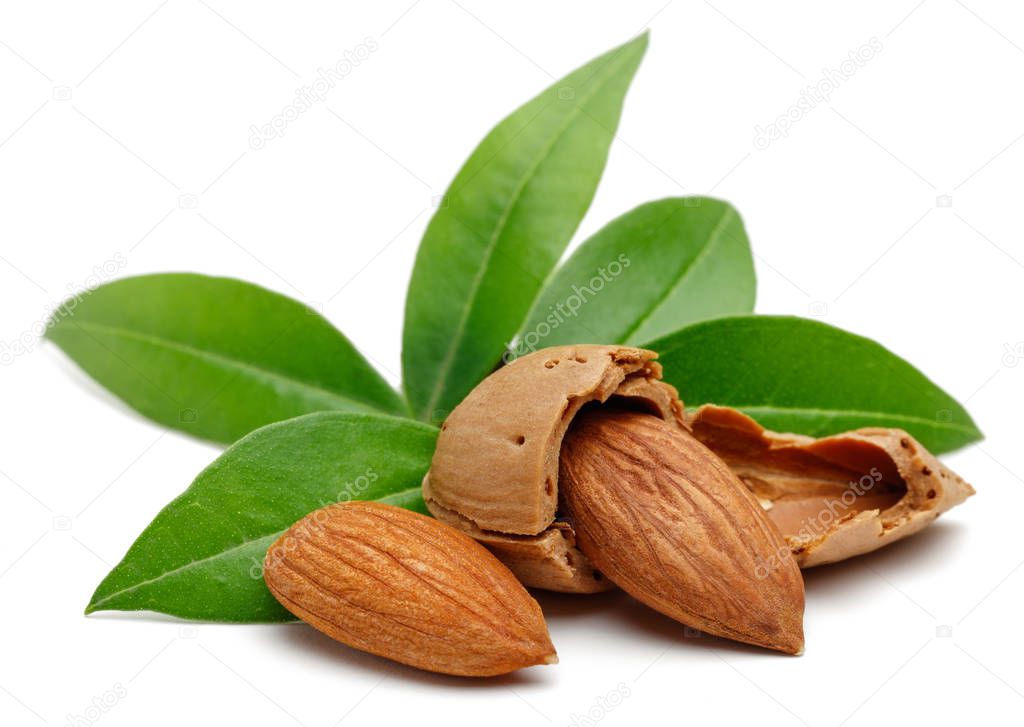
{"x": 784, "y": 642}
{"x": 551, "y": 658}
{"x": 793, "y": 648}
{"x": 791, "y": 643}
{"x": 788, "y": 637}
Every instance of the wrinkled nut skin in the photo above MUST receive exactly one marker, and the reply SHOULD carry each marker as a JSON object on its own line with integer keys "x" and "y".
{"x": 409, "y": 588}
{"x": 670, "y": 524}
{"x": 835, "y": 497}
{"x": 494, "y": 474}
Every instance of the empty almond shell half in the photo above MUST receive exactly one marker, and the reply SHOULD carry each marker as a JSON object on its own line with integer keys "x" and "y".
{"x": 834, "y": 497}
{"x": 494, "y": 474}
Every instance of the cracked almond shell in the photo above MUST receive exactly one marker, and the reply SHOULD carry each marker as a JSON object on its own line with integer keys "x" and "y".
{"x": 834, "y": 497}
{"x": 494, "y": 474}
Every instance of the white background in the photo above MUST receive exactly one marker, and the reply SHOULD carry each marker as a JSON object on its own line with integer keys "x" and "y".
{"x": 124, "y": 136}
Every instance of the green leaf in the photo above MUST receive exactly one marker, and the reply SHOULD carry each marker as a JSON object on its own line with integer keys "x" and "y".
{"x": 503, "y": 225}
{"x": 215, "y": 357}
{"x": 660, "y": 266}
{"x": 796, "y": 375}
{"x": 202, "y": 556}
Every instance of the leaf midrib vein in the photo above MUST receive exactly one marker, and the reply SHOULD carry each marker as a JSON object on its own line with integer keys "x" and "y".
{"x": 182, "y": 568}
{"x": 221, "y": 554}
{"x": 446, "y": 363}
{"x": 811, "y": 411}
{"x": 713, "y": 238}
{"x": 225, "y": 361}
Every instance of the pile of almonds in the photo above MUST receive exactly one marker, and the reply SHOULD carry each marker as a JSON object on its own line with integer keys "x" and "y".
{"x": 576, "y": 469}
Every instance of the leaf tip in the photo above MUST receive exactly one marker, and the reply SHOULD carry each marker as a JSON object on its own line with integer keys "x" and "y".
{"x": 641, "y": 40}
{"x": 52, "y": 321}
{"x": 972, "y": 435}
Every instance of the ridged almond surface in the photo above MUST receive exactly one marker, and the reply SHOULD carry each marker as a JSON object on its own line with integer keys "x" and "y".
{"x": 409, "y": 588}
{"x": 668, "y": 522}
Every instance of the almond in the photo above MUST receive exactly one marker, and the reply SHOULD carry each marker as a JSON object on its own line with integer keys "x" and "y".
{"x": 667, "y": 521}
{"x": 409, "y": 588}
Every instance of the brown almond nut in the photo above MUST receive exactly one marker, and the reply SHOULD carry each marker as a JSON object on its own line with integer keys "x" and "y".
{"x": 834, "y": 497}
{"x": 494, "y": 474}
{"x": 668, "y": 522}
{"x": 409, "y": 588}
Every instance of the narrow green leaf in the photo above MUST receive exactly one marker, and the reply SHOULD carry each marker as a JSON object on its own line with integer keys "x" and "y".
{"x": 503, "y": 225}
{"x": 215, "y": 357}
{"x": 797, "y": 375}
{"x": 202, "y": 556}
{"x": 656, "y": 268}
